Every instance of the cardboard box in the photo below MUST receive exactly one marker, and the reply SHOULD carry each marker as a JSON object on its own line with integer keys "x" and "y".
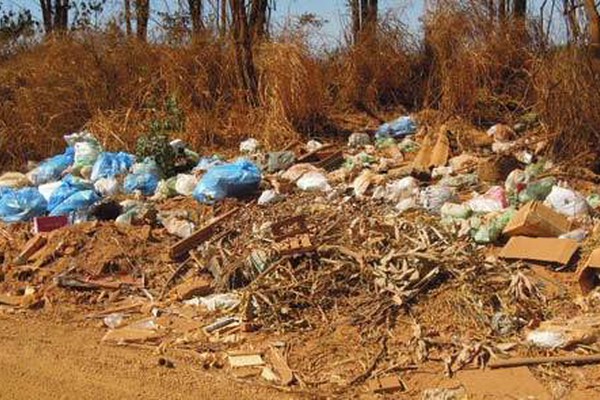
{"x": 589, "y": 274}
{"x": 547, "y": 250}
{"x": 536, "y": 220}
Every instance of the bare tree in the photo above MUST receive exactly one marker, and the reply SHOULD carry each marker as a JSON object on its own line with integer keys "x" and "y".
{"x": 196, "y": 7}
{"x": 142, "y": 10}
{"x": 55, "y": 15}
{"x": 127, "y": 4}
{"x": 364, "y": 19}
{"x": 594, "y": 26}
{"x": 242, "y": 35}
{"x": 258, "y": 19}
{"x": 519, "y": 8}
{"x": 223, "y": 18}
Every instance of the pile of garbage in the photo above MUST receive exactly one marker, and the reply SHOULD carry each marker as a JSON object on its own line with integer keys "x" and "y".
{"x": 321, "y": 245}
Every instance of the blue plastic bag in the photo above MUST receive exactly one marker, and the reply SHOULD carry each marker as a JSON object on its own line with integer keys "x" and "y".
{"x": 74, "y": 194}
{"x": 228, "y": 180}
{"x": 399, "y": 128}
{"x": 109, "y": 165}
{"x": 52, "y": 168}
{"x": 145, "y": 182}
{"x": 21, "y": 204}
{"x": 207, "y": 163}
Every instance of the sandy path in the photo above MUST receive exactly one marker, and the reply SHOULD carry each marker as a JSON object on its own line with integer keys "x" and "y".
{"x": 43, "y": 360}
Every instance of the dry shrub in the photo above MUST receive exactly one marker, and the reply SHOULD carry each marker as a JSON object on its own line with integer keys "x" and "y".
{"x": 567, "y": 84}
{"x": 293, "y": 91}
{"x": 116, "y": 87}
{"x": 377, "y": 72}
{"x": 477, "y": 66}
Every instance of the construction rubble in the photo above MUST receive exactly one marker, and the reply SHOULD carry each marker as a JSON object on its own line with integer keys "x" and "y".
{"x": 321, "y": 267}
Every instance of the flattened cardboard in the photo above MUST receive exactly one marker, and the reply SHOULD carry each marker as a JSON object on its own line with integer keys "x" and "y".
{"x": 434, "y": 152}
{"x": 588, "y": 274}
{"x": 536, "y": 220}
{"x": 250, "y": 360}
{"x": 548, "y": 250}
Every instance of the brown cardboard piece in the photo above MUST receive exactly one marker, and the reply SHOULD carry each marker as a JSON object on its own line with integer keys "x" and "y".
{"x": 536, "y": 220}
{"x": 548, "y": 250}
{"x": 195, "y": 286}
{"x": 245, "y": 360}
{"x": 589, "y": 274}
{"x": 434, "y": 152}
{"x": 388, "y": 384}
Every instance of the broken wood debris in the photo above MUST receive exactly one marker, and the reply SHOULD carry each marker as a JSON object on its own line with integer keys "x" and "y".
{"x": 245, "y": 360}
{"x": 570, "y": 359}
{"x": 182, "y": 248}
{"x": 31, "y": 247}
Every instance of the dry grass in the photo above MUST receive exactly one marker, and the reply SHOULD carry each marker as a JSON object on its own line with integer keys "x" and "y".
{"x": 567, "y": 84}
{"x": 465, "y": 66}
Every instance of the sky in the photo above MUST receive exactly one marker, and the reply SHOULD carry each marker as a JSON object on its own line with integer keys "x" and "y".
{"x": 334, "y": 11}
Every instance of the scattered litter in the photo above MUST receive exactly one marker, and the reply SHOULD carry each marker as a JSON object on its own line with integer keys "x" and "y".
{"x": 562, "y": 333}
{"x": 245, "y": 360}
{"x": 359, "y": 139}
{"x": 214, "y": 302}
{"x": 547, "y": 250}
{"x": 567, "y": 202}
{"x": 249, "y": 146}
{"x": 228, "y": 180}
{"x": 399, "y": 128}
{"x": 313, "y": 181}
{"x": 589, "y": 273}
{"x": 268, "y": 197}
{"x": 536, "y": 220}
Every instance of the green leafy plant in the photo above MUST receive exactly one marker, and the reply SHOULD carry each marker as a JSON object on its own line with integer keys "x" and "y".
{"x": 156, "y": 143}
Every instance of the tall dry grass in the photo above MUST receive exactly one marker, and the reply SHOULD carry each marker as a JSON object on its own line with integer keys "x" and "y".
{"x": 466, "y": 65}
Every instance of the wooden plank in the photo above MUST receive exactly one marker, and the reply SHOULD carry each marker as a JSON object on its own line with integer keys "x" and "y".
{"x": 31, "y": 247}
{"x": 183, "y": 247}
{"x": 289, "y": 227}
{"x": 519, "y": 362}
{"x": 277, "y": 359}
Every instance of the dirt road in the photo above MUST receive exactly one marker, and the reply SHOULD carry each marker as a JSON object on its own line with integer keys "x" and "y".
{"x": 42, "y": 360}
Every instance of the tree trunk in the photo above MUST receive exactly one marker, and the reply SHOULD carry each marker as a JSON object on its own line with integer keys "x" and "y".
{"x": 61, "y": 15}
{"x": 594, "y": 26}
{"x": 142, "y": 9}
{"x": 502, "y": 10}
{"x": 128, "y": 17}
{"x": 364, "y": 19}
{"x": 370, "y": 19}
{"x": 196, "y": 15}
{"x": 355, "y": 7}
{"x": 46, "y": 6}
{"x": 258, "y": 19}
{"x": 243, "y": 50}
{"x": 223, "y": 18}
{"x": 519, "y": 8}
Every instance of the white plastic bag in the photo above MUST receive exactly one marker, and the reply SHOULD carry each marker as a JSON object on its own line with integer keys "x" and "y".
{"x": 313, "y": 181}
{"x": 432, "y": 198}
{"x": 313, "y": 145}
{"x": 402, "y": 189}
{"x": 47, "y": 189}
{"x": 268, "y": 197}
{"x": 406, "y": 204}
{"x": 483, "y": 205}
{"x": 567, "y": 202}
{"x": 249, "y": 146}
{"x": 186, "y": 184}
{"x": 107, "y": 187}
